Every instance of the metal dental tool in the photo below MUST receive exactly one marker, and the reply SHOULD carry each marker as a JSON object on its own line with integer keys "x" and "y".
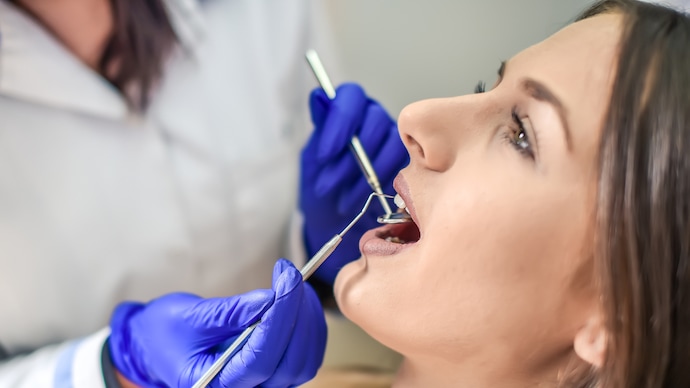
{"x": 394, "y": 218}
{"x": 355, "y": 144}
{"x": 312, "y": 265}
{"x": 402, "y": 216}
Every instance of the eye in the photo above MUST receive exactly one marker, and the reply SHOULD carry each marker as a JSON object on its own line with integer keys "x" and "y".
{"x": 519, "y": 139}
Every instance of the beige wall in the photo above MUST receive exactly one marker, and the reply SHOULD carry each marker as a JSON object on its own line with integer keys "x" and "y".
{"x": 406, "y": 50}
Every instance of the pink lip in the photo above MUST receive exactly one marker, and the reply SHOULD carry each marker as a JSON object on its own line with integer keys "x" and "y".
{"x": 401, "y": 187}
{"x": 371, "y": 244}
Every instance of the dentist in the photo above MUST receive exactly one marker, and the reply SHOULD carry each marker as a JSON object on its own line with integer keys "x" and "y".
{"x": 149, "y": 164}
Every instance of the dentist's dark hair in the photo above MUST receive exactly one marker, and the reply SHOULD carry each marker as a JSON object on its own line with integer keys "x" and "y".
{"x": 136, "y": 51}
{"x": 643, "y": 215}
{"x": 134, "y": 57}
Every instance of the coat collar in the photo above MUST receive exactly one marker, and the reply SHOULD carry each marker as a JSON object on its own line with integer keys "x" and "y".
{"x": 36, "y": 67}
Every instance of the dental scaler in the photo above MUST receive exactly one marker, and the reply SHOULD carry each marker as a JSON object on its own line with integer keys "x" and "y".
{"x": 312, "y": 265}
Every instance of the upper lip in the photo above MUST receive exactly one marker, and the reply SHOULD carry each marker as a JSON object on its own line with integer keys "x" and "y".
{"x": 401, "y": 187}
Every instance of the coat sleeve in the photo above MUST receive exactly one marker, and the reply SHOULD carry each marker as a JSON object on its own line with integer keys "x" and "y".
{"x": 74, "y": 364}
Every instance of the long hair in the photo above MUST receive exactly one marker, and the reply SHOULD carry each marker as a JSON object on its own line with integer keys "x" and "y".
{"x": 643, "y": 214}
{"x": 137, "y": 49}
{"x": 135, "y": 55}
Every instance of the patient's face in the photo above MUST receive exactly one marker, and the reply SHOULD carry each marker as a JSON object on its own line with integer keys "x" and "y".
{"x": 502, "y": 186}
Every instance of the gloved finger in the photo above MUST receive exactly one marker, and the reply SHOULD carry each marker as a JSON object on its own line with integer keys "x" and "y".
{"x": 353, "y": 196}
{"x": 122, "y": 313}
{"x": 375, "y": 129}
{"x": 345, "y": 115}
{"x": 216, "y": 319}
{"x": 390, "y": 159}
{"x": 119, "y": 322}
{"x": 318, "y": 334}
{"x": 304, "y": 354}
{"x": 258, "y": 358}
{"x": 318, "y": 107}
{"x": 352, "y": 200}
{"x": 337, "y": 175}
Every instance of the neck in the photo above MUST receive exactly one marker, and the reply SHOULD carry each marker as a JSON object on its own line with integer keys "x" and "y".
{"x": 83, "y": 26}
{"x": 437, "y": 373}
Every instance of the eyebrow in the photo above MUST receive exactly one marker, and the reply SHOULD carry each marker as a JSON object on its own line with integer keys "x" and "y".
{"x": 540, "y": 92}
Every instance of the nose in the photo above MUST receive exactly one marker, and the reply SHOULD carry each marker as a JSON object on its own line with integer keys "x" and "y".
{"x": 433, "y": 131}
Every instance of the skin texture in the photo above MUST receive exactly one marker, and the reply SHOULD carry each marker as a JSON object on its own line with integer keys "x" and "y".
{"x": 499, "y": 287}
{"x": 83, "y": 26}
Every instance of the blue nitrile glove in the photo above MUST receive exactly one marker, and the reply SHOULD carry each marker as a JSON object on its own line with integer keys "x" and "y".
{"x": 332, "y": 187}
{"x": 171, "y": 341}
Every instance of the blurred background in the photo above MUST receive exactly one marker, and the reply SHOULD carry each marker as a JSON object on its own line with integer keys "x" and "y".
{"x": 406, "y": 50}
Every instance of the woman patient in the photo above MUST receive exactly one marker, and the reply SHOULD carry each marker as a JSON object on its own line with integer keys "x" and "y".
{"x": 552, "y": 218}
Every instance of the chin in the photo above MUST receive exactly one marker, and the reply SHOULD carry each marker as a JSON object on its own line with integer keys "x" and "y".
{"x": 359, "y": 297}
{"x": 347, "y": 283}
{"x": 353, "y": 290}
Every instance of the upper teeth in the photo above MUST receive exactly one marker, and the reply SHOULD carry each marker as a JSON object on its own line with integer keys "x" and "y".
{"x": 399, "y": 202}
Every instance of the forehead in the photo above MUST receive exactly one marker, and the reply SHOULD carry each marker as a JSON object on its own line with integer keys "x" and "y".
{"x": 578, "y": 64}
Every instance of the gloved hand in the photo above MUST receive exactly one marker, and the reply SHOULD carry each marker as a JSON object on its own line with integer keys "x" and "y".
{"x": 171, "y": 341}
{"x": 332, "y": 186}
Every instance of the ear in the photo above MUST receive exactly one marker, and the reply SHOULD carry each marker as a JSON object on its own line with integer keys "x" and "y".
{"x": 590, "y": 341}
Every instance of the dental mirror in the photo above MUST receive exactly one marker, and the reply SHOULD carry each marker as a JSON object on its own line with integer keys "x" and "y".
{"x": 400, "y": 217}
{"x": 394, "y": 218}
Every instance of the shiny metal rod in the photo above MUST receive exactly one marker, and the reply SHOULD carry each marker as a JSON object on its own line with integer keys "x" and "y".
{"x": 312, "y": 265}
{"x": 355, "y": 144}
{"x": 319, "y": 257}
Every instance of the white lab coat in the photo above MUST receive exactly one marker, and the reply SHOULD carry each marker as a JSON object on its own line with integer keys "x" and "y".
{"x": 100, "y": 205}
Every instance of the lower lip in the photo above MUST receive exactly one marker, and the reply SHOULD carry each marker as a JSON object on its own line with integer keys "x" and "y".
{"x": 372, "y": 245}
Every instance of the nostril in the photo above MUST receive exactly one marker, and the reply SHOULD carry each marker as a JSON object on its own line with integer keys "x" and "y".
{"x": 413, "y": 145}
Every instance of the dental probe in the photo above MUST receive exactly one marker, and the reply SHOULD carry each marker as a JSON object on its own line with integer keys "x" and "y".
{"x": 355, "y": 144}
{"x": 312, "y": 265}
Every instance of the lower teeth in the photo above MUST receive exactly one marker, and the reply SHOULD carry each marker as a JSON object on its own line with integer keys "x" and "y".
{"x": 395, "y": 240}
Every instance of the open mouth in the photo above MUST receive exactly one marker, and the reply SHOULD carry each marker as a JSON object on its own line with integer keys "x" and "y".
{"x": 407, "y": 233}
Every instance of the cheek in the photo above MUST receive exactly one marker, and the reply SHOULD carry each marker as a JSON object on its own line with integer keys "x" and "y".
{"x": 492, "y": 265}
{"x": 505, "y": 234}
{"x": 499, "y": 264}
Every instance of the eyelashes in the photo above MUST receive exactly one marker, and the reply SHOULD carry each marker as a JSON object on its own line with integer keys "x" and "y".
{"x": 517, "y": 138}
{"x": 480, "y": 88}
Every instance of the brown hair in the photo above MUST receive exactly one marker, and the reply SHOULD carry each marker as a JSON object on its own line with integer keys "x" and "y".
{"x": 643, "y": 214}
{"x": 134, "y": 57}
{"x": 136, "y": 51}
